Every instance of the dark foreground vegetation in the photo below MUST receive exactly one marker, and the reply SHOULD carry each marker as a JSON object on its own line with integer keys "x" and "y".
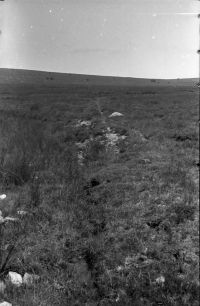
{"x": 110, "y": 224}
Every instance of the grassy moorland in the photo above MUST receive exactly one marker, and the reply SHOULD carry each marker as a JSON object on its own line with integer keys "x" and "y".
{"x": 107, "y": 222}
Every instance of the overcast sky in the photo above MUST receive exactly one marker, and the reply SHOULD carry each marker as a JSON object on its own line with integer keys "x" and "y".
{"x": 137, "y": 38}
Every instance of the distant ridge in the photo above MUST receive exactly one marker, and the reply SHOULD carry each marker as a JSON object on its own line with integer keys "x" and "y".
{"x": 17, "y": 76}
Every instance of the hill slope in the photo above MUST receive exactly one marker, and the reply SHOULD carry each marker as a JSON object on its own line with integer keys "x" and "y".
{"x": 15, "y": 76}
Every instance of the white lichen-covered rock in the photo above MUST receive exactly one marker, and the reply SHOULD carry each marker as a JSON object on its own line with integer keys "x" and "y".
{"x": 160, "y": 280}
{"x": 2, "y": 196}
{"x": 116, "y": 114}
{"x": 86, "y": 123}
{"x": 120, "y": 268}
{"x": 22, "y": 212}
{"x": 2, "y": 286}
{"x": 112, "y": 138}
{"x": 83, "y": 123}
{"x": 15, "y": 278}
{"x": 30, "y": 279}
{"x": 5, "y": 304}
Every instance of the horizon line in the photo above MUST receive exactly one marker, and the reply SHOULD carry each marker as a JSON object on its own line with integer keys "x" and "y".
{"x": 100, "y": 75}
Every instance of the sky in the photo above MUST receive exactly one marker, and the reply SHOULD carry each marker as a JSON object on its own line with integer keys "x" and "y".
{"x": 130, "y": 38}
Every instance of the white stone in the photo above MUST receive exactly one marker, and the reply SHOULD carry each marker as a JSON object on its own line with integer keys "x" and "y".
{"x": 2, "y": 196}
{"x": 5, "y": 304}
{"x": 83, "y": 123}
{"x": 116, "y": 114}
{"x": 15, "y": 278}
{"x": 119, "y": 268}
{"x": 86, "y": 122}
{"x": 30, "y": 279}
{"x": 160, "y": 280}
{"x": 2, "y": 286}
{"x": 112, "y": 138}
{"x": 22, "y": 212}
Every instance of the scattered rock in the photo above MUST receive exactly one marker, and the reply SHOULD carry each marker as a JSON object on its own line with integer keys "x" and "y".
{"x": 15, "y": 278}
{"x": 2, "y": 287}
{"x": 116, "y": 114}
{"x": 160, "y": 280}
{"x": 2, "y": 196}
{"x": 30, "y": 279}
{"x": 5, "y": 304}
{"x": 112, "y": 138}
{"x": 145, "y": 161}
{"x": 119, "y": 268}
{"x": 83, "y": 123}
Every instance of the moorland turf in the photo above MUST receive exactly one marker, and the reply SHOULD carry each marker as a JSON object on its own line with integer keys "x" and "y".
{"x": 120, "y": 228}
